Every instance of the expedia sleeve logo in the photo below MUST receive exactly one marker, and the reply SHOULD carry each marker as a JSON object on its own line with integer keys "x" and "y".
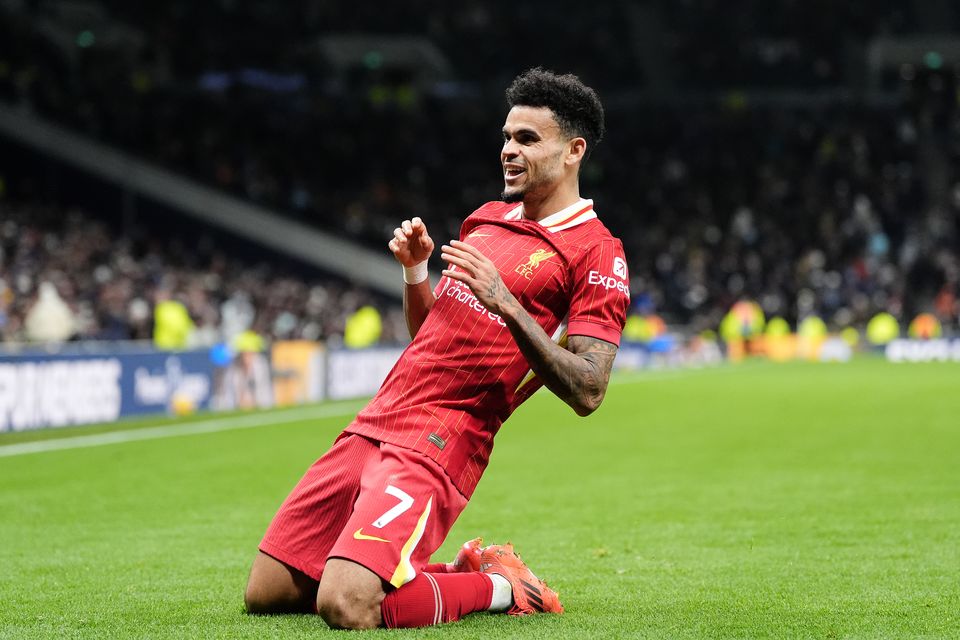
{"x": 616, "y": 281}
{"x": 620, "y": 268}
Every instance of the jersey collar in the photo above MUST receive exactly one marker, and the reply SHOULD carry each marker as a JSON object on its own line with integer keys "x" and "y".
{"x": 577, "y": 213}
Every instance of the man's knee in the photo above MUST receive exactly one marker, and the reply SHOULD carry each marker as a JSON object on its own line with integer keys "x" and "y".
{"x": 259, "y": 600}
{"x": 349, "y": 596}
{"x": 342, "y": 610}
{"x": 274, "y": 588}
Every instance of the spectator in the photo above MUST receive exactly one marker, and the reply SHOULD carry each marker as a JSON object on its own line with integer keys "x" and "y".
{"x": 246, "y": 384}
{"x": 172, "y": 325}
{"x": 363, "y": 328}
{"x": 49, "y": 319}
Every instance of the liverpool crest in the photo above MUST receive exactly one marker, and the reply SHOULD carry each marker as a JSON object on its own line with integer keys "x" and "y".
{"x": 538, "y": 256}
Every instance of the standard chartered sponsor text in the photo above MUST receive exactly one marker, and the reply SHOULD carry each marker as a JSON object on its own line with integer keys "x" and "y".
{"x": 462, "y": 295}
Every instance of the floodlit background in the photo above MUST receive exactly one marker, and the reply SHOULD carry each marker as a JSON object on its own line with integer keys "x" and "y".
{"x": 195, "y": 200}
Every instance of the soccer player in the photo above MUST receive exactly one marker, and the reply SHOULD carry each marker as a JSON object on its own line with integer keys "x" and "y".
{"x": 535, "y": 294}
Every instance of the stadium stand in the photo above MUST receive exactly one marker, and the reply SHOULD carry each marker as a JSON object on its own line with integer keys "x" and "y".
{"x": 110, "y": 284}
{"x": 820, "y": 202}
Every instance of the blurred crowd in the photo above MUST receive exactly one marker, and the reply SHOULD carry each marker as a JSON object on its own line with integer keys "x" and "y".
{"x": 809, "y": 212}
{"x": 838, "y": 210}
{"x": 796, "y": 44}
{"x": 67, "y": 276}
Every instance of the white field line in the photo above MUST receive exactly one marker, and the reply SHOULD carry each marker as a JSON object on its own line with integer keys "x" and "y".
{"x": 280, "y": 417}
{"x": 182, "y": 429}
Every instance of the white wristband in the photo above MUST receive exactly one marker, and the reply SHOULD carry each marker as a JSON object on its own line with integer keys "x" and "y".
{"x": 415, "y": 274}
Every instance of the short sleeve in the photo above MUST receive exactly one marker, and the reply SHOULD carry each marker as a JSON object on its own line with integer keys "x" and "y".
{"x": 600, "y": 292}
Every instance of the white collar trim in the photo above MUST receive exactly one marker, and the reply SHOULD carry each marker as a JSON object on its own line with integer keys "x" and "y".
{"x": 577, "y": 213}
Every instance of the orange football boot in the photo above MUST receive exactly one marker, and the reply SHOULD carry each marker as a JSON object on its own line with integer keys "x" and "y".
{"x": 468, "y": 557}
{"x": 530, "y": 593}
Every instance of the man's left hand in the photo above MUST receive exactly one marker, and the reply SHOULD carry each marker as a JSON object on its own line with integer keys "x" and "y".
{"x": 479, "y": 273}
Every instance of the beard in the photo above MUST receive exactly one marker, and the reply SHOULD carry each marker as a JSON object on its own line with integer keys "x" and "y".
{"x": 511, "y": 198}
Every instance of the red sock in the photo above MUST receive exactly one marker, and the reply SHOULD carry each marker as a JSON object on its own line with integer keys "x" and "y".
{"x": 434, "y": 598}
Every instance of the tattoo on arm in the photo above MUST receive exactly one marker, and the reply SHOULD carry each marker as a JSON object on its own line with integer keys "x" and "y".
{"x": 578, "y": 375}
{"x": 598, "y": 356}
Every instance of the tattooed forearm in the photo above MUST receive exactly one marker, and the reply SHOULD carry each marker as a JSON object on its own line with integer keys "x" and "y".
{"x": 599, "y": 355}
{"x": 578, "y": 375}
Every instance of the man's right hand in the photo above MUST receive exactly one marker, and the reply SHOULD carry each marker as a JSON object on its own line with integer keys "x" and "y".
{"x": 411, "y": 244}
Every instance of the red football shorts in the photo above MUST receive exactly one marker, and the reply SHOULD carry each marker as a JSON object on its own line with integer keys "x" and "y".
{"x": 379, "y": 505}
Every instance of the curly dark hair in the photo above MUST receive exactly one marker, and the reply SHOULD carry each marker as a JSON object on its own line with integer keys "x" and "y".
{"x": 575, "y": 106}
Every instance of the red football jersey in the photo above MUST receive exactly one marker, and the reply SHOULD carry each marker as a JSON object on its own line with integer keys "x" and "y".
{"x": 464, "y": 374}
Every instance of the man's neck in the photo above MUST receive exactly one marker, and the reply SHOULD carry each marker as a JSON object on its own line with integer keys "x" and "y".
{"x": 557, "y": 200}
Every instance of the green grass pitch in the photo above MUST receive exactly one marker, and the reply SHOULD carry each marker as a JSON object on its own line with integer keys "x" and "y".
{"x": 751, "y": 501}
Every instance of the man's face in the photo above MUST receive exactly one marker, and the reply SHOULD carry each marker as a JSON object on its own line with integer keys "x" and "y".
{"x": 532, "y": 154}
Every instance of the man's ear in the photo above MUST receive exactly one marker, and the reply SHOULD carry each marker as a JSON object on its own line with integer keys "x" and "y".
{"x": 576, "y": 150}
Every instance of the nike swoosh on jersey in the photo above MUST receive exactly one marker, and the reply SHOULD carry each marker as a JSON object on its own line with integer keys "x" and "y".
{"x": 357, "y": 535}
{"x": 477, "y": 234}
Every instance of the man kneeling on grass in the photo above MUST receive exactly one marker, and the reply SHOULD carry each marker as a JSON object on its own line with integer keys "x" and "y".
{"x": 535, "y": 294}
